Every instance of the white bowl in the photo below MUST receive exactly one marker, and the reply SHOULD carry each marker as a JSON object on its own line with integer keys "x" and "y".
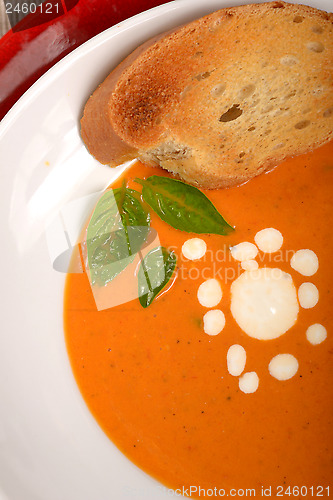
{"x": 51, "y": 448}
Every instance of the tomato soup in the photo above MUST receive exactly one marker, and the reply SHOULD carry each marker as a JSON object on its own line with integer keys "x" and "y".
{"x": 160, "y": 387}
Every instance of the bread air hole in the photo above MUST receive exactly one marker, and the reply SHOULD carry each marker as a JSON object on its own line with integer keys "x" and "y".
{"x": 298, "y": 19}
{"x": 302, "y": 124}
{"x": 254, "y": 103}
{"x": 203, "y": 76}
{"x": 218, "y": 90}
{"x": 267, "y": 109}
{"x": 232, "y": 114}
{"x": 328, "y": 112}
{"x": 247, "y": 91}
{"x": 315, "y": 47}
{"x": 288, "y": 60}
{"x": 317, "y": 29}
{"x": 290, "y": 95}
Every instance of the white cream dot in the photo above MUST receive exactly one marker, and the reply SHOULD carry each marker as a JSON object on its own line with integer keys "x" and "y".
{"x": 194, "y": 248}
{"x": 269, "y": 240}
{"x": 236, "y": 359}
{"x": 316, "y": 334}
{"x": 308, "y": 295}
{"x": 283, "y": 366}
{"x": 264, "y": 302}
{"x": 209, "y": 293}
{"x": 305, "y": 262}
{"x": 249, "y": 382}
{"x": 214, "y": 322}
{"x": 244, "y": 251}
{"x": 249, "y": 265}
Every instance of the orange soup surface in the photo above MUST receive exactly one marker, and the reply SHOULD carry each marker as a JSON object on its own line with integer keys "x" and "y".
{"x": 159, "y": 386}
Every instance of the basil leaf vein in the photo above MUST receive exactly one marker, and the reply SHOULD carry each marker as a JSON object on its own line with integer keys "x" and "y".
{"x": 116, "y": 231}
{"x": 156, "y": 270}
{"x": 182, "y": 206}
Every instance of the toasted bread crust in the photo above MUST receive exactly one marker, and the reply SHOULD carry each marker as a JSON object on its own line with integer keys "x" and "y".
{"x": 227, "y": 96}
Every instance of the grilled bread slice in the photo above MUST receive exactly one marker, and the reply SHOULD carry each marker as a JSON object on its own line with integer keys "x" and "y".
{"x": 223, "y": 98}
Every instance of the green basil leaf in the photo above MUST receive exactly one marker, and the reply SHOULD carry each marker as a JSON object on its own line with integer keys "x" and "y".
{"x": 183, "y": 206}
{"x": 117, "y": 230}
{"x": 155, "y": 272}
